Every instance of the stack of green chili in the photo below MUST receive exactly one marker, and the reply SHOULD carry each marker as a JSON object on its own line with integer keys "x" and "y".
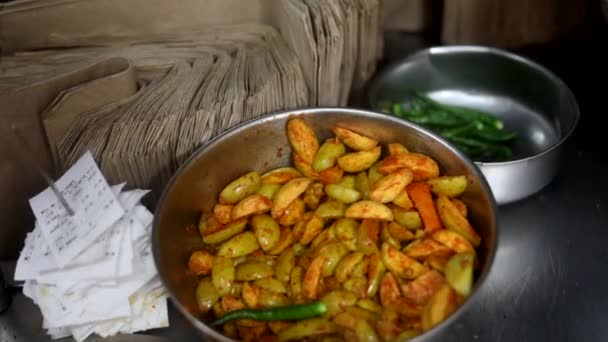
{"x": 478, "y": 134}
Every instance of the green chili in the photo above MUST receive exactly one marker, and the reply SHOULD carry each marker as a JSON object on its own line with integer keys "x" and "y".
{"x": 463, "y": 112}
{"x": 276, "y": 313}
{"x": 398, "y": 109}
{"x": 437, "y": 118}
{"x": 489, "y": 150}
{"x": 464, "y": 130}
{"x": 494, "y": 135}
{"x": 478, "y": 134}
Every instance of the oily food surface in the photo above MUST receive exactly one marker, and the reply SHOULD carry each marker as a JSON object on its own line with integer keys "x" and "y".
{"x": 345, "y": 244}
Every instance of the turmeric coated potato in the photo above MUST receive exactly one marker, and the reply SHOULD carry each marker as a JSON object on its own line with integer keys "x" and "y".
{"x": 303, "y": 139}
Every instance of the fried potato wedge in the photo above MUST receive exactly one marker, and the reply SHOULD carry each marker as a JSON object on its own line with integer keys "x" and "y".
{"x": 312, "y": 276}
{"x": 328, "y": 154}
{"x": 403, "y": 200}
{"x": 359, "y": 161}
{"x": 303, "y": 329}
{"x": 459, "y": 272}
{"x": 342, "y": 194}
{"x": 397, "y": 148}
{"x": 269, "y": 190}
{"x": 409, "y": 219}
{"x": 367, "y": 239}
{"x": 239, "y": 245}
{"x": 424, "y": 248}
{"x": 206, "y": 295}
{"x": 369, "y": 210}
{"x": 422, "y": 166}
{"x": 285, "y": 263}
{"x": 293, "y": 213}
{"x": 331, "y": 209}
{"x": 400, "y": 264}
{"x": 215, "y": 234}
{"x": 455, "y": 221}
{"x": 223, "y": 275}
{"x": 442, "y": 304}
{"x": 338, "y": 300}
{"x": 348, "y": 181}
{"x": 266, "y": 230}
{"x": 451, "y": 186}
{"x": 223, "y": 213}
{"x": 375, "y": 271}
{"x": 346, "y": 266}
{"x": 421, "y": 289}
{"x": 330, "y": 175}
{"x": 285, "y": 240}
{"x": 345, "y": 230}
{"x": 251, "y": 295}
{"x": 362, "y": 184}
{"x": 453, "y": 240}
{"x": 354, "y": 140}
{"x": 312, "y": 228}
{"x": 389, "y": 187}
{"x": 399, "y": 232}
{"x": 250, "y": 205}
{"x": 280, "y": 175}
{"x": 240, "y": 188}
{"x": 374, "y": 174}
{"x": 302, "y": 138}
{"x": 333, "y": 253}
{"x": 461, "y": 206}
{"x": 357, "y": 285}
{"x": 295, "y": 284}
{"x": 304, "y": 167}
{"x": 287, "y": 194}
{"x": 313, "y": 195}
{"x": 253, "y": 270}
{"x": 200, "y": 262}
{"x": 391, "y": 297}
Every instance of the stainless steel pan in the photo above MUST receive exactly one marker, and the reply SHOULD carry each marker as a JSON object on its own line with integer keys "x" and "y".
{"x": 261, "y": 145}
{"x": 526, "y": 96}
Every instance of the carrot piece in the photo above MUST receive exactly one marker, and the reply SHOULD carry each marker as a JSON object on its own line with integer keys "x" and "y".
{"x": 420, "y": 193}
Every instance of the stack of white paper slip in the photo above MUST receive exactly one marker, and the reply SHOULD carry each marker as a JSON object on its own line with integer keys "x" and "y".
{"x": 92, "y": 272}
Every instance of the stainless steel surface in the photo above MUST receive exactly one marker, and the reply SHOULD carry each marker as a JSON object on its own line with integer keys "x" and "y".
{"x": 262, "y": 145}
{"x": 530, "y": 100}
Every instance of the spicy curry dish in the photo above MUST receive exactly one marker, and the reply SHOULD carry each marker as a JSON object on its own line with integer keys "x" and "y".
{"x": 344, "y": 245}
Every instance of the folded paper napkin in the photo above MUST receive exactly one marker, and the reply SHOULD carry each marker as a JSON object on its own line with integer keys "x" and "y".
{"x": 92, "y": 272}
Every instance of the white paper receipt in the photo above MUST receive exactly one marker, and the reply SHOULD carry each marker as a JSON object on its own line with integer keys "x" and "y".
{"x": 95, "y": 207}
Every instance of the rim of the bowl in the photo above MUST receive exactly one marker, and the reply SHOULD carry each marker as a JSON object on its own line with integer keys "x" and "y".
{"x": 435, "y": 50}
{"x": 481, "y": 280}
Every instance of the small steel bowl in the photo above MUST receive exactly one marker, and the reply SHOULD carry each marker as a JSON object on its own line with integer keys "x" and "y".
{"x": 262, "y": 144}
{"x": 530, "y": 100}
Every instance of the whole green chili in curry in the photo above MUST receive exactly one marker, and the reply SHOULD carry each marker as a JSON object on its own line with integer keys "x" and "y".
{"x": 277, "y": 313}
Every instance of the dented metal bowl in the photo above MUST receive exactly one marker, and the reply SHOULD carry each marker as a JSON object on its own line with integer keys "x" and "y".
{"x": 262, "y": 144}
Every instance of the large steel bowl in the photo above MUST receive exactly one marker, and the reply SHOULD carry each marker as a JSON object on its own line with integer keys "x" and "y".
{"x": 262, "y": 144}
{"x": 529, "y": 98}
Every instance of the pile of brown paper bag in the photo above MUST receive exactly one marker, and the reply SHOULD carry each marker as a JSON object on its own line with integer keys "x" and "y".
{"x": 144, "y": 83}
